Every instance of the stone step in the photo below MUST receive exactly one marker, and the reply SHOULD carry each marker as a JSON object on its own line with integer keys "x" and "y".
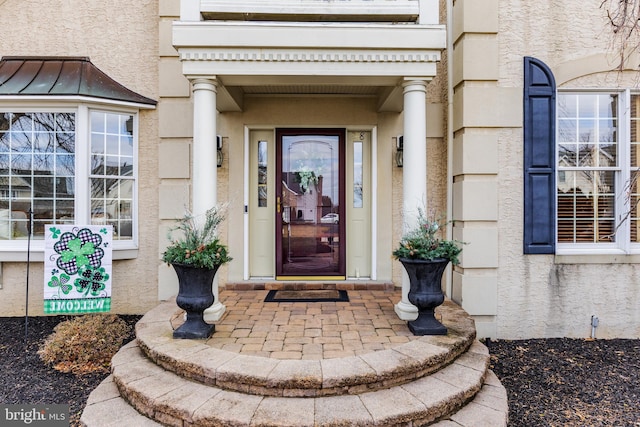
{"x": 173, "y": 400}
{"x": 313, "y": 285}
{"x": 489, "y": 408}
{"x": 376, "y": 370}
{"x": 454, "y": 396}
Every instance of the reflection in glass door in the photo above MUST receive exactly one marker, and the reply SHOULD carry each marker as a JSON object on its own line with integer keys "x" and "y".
{"x": 310, "y": 203}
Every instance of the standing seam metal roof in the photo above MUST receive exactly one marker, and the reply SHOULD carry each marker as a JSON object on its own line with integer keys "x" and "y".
{"x": 61, "y": 76}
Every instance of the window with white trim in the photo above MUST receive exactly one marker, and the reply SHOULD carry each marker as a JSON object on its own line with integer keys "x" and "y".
{"x": 597, "y": 167}
{"x": 68, "y": 166}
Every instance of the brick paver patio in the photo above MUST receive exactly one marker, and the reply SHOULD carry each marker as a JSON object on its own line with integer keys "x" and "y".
{"x": 302, "y": 330}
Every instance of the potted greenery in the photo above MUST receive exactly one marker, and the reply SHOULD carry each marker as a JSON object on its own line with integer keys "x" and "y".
{"x": 425, "y": 255}
{"x": 196, "y": 256}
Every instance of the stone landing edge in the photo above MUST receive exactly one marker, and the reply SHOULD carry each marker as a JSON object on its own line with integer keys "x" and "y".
{"x": 375, "y": 370}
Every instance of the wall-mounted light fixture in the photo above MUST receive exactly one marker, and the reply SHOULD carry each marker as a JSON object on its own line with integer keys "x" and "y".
{"x": 219, "y": 149}
{"x": 399, "y": 140}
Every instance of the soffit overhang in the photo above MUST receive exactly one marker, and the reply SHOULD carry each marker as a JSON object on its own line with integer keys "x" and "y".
{"x": 48, "y": 77}
{"x": 313, "y": 11}
{"x": 308, "y": 58}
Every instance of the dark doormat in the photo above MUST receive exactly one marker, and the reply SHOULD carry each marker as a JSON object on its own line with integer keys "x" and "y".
{"x": 316, "y": 295}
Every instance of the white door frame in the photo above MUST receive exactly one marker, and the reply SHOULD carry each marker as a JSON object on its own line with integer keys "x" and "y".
{"x": 374, "y": 193}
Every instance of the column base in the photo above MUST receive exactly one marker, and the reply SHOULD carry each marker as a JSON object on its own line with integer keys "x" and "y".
{"x": 405, "y": 311}
{"x": 215, "y": 312}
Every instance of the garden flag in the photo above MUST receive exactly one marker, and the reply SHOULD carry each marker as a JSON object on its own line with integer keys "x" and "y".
{"x": 77, "y": 269}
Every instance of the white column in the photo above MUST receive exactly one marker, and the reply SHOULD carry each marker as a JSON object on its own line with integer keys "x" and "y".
{"x": 414, "y": 173}
{"x": 204, "y": 164}
{"x": 205, "y": 178}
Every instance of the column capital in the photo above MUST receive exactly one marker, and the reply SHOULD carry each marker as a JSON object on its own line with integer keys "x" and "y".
{"x": 415, "y": 84}
{"x": 204, "y": 83}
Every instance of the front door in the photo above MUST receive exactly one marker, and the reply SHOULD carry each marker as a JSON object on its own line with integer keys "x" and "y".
{"x": 310, "y": 230}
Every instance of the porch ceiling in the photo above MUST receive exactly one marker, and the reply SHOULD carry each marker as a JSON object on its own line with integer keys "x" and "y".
{"x": 279, "y": 59}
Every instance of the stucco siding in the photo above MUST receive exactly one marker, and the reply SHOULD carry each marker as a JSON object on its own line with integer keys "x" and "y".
{"x": 120, "y": 38}
{"x": 540, "y": 295}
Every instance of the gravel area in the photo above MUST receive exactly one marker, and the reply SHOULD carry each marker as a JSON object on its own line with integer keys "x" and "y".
{"x": 550, "y": 382}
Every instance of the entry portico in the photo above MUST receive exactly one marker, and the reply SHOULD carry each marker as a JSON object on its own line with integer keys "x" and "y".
{"x": 342, "y": 50}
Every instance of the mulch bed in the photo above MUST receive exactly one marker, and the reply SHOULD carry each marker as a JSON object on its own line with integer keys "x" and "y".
{"x": 569, "y": 382}
{"x": 550, "y": 382}
{"x": 24, "y": 378}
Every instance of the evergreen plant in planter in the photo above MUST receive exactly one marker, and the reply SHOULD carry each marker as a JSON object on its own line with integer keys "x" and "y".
{"x": 196, "y": 256}
{"x": 425, "y": 256}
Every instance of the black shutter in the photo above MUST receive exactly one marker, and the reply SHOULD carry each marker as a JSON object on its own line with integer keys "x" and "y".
{"x": 539, "y": 158}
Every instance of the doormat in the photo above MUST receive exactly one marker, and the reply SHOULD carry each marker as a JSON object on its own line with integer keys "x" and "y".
{"x": 315, "y": 295}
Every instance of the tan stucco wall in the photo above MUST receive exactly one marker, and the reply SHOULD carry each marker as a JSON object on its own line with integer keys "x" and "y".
{"x": 536, "y": 295}
{"x": 120, "y": 37}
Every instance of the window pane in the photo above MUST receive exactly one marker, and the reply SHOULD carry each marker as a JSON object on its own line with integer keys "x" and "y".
{"x": 29, "y": 171}
{"x": 65, "y": 165}
{"x": 66, "y": 142}
{"x": 111, "y": 203}
{"x": 567, "y": 131}
{"x": 5, "y": 142}
{"x": 43, "y": 122}
{"x": 607, "y": 130}
{"x": 357, "y": 174}
{"x": 113, "y": 144}
{"x": 20, "y": 142}
{"x": 587, "y": 155}
{"x": 586, "y": 207}
{"x": 262, "y": 174}
{"x": 21, "y": 164}
{"x": 5, "y": 120}
{"x": 126, "y": 146}
{"x": 586, "y": 131}
{"x": 98, "y": 164}
{"x": 607, "y": 105}
{"x": 43, "y": 142}
{"x": 633, "y": 216}
{"x": 112, "y": 156}
{"x": 97, "y": 143}
{"x": 567, "y": 155}
{"x": 567, "y": 106}
{"x": 43, "y": 187}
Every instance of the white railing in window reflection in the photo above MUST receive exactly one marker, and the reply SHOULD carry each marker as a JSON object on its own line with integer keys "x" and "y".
{"x": 396, "y": 11}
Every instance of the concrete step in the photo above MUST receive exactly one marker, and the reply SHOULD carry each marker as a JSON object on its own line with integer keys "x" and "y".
{"x": 200, "y": 361}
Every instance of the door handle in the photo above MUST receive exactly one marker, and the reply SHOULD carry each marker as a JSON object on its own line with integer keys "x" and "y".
{"x": 278, "y": 204}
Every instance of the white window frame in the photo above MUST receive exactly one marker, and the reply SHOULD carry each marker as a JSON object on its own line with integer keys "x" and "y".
{"x": 16, "y": 250}
{"x": 622, "y": 244}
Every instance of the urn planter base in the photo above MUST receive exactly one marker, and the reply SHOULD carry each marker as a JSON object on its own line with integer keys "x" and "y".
{"x": 194, "y": 328}
{"x": 426, "y": 324}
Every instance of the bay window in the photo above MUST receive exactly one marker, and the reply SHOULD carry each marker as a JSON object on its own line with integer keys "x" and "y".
{"x": 68, "y": 166}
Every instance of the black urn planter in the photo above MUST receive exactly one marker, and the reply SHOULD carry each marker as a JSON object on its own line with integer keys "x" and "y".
{"x": 425, "y": 292}
{"x": 195, "y": 295}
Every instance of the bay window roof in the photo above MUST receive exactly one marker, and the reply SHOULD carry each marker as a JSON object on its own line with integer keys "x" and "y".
{"x": 62, "y": 76}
